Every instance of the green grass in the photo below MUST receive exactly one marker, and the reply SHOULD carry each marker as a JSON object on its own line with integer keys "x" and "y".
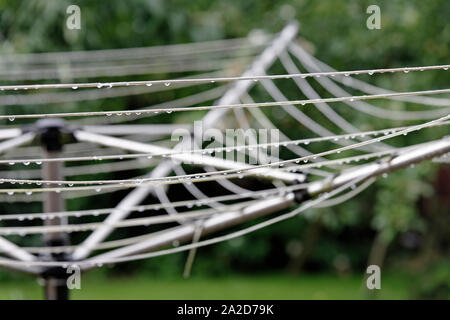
{"x": 305, "y": 286}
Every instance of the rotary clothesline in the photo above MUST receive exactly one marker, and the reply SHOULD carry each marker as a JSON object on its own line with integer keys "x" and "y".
{"x": 222, "y": 215}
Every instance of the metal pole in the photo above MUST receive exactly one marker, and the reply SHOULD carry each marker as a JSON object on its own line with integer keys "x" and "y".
{"x": 55, "y": 278}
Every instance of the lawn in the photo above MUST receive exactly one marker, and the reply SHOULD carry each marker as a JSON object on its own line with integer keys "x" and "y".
{"x": 305, "y": 286}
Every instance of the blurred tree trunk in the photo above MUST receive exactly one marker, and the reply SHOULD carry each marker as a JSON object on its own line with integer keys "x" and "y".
{"x": 435, "y": 211}
{"x": 378, "y": 250}
{"x": 310, "y": 239}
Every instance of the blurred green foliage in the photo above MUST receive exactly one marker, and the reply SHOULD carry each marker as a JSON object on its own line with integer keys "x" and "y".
{"x": 413, "y": 33}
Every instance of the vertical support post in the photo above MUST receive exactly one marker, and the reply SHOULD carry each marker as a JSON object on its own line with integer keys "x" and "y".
{"x": 54, "y": 278}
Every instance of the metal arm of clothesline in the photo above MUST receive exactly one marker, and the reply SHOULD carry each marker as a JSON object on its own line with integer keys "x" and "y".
{"x": 10, "y": 133}
{"x": 424, "y": 152}
{"x": 191, "y": 158}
